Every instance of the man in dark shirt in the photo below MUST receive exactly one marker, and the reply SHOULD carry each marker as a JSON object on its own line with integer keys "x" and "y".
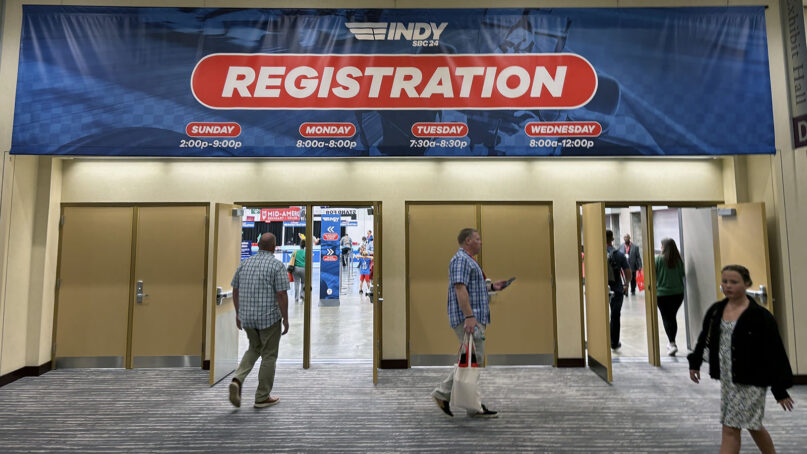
{"x": 634, "y": 255}
{"x": 619, "y": 287}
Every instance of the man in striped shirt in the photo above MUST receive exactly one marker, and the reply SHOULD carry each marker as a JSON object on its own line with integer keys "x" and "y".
{"x": 468, "y": 309}
{"x": 261, "y": 304}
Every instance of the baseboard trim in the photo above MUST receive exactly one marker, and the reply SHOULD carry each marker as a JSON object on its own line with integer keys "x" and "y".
{"x": 392, "y": 364}
{"x": 800, "y": 379}
{"x": 571, "y": 362}
{"x": 27, "y": 371}
{"x": 206, "y": 364}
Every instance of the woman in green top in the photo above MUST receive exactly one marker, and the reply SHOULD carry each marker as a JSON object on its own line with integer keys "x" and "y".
{"x": 669, "y": 289}
{"x": 299, "y": 272}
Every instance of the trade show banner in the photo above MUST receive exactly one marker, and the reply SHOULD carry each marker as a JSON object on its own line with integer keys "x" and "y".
{"x": 120, "y": 81}
{"x": 329, "y": 268}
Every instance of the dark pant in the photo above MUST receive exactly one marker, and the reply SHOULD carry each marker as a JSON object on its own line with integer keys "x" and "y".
{"x": 633, "y": 282}
{"x": 616, "y": 312}
{"x": 668, "y": 306}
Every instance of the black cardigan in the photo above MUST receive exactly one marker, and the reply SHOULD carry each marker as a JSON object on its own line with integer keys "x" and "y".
{"x": 758, "y": 355}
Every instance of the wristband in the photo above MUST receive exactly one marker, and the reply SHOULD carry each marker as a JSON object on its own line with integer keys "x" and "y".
{"x": 469, "y": 316}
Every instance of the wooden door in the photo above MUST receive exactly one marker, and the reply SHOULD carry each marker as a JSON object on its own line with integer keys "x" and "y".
{"x": 743, "y": 237}
{"x": 226, "y": 258}
{"x": 517, "y": 243}
{"x": 170, "y": 253}
{"x": 431, "y": 242}
{"x": 598, "y": 329}
{"x": 92, "y": 310}
{"x": 651, "y": 306}
{"x": 378, "y": 287}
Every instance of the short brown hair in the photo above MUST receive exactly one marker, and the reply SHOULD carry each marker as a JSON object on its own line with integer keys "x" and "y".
{"x": 465, "y": 234}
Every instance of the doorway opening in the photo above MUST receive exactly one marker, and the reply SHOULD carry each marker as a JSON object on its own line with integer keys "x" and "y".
{"x": 342, "y": 284}
{"x": 626, "y": 224}
{"x": 288, "y": 225}
{"x": 339, "y": 263}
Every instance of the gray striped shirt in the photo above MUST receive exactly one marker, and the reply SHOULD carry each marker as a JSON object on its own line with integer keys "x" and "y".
{"x": 257, "y": 279}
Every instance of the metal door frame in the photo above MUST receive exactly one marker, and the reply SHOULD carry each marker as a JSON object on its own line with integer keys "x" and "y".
{"x": 309, "y": 233}
{"x": 624, "y": 204}
{"x": 478, "y": 204}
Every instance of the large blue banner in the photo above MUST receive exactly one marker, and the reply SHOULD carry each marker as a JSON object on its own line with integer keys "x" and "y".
{"x": 123, "y": 81}
{"x": 329, "y": 268}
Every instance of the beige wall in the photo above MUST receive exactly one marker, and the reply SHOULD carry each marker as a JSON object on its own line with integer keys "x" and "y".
{"x": 774, "y": 180}
{"x": 395, "y": 181}
{"x": 16, "y": 279}
{"x": 27, "y": 262}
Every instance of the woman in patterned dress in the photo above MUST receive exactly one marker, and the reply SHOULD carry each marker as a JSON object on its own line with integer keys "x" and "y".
{"x": 742, "y": 344}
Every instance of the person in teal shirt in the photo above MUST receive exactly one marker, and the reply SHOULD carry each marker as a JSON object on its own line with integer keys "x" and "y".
{"x": 669, "y": 289}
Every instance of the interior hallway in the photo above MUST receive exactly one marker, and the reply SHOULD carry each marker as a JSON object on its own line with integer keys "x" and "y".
{"x": 633, "y": 334}
{"x": 342, "y": 333}
{"x": 336, "y": 408}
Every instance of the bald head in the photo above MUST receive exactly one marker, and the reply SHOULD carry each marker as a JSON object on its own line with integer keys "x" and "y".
{"x": 267, "y": 242}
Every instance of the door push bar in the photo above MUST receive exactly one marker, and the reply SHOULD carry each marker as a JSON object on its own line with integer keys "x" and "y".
{"x": 761, "y": 294}
{"x": 221, "y": 295}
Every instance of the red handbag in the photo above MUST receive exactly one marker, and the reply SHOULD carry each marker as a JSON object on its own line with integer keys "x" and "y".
{"x": 640, "y": 280}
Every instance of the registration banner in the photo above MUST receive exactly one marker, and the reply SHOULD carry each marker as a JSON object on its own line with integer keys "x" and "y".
{"x": 121, "y": 81}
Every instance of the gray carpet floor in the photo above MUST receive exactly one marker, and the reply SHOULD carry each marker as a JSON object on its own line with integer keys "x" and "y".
{"x": 336, "y": 408}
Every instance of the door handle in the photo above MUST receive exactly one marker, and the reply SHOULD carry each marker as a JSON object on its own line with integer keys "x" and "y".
{"x": 761, "y": 294}
{"x": 221, "y": 295}
{"x": 139, "y": 295}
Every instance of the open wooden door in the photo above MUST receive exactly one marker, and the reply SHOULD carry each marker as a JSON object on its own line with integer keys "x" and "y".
{"x": 378, "y": 288}
{"x": 650, "y": 304}
{"x": 226, "y": 258}
{"x": 598, "y": 330}
{"x": 743, "y": 237}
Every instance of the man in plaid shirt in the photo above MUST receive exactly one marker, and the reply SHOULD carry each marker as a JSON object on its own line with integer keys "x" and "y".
{"x": 261, "y": 304}
{"x": 468, "y": 308}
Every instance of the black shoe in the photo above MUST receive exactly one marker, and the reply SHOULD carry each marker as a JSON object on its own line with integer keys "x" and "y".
{"x": 443, "y": 405}
{"x": 361, "y": 292}
{"x": 618, "y": 346}
{"x": 485, "y": 413}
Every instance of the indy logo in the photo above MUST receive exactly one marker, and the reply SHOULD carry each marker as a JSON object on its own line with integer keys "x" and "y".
{"x": 422, "y": 34}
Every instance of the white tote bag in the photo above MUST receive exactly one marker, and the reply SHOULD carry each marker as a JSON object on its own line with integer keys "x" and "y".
{"x": 465, "y": 391}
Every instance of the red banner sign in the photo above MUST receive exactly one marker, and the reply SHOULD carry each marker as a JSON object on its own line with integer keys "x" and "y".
{"x": 280, "y": 214}
{"x": 338, "y": 130}
{"x": 200, "y": 129}
{"x": 563, "y": 129}
{"x": 429, "y": 82}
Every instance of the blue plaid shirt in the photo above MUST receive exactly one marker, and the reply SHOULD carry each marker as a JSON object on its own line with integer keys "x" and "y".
{"x": 257, "y": 279}
{"x": 463, "y": 269}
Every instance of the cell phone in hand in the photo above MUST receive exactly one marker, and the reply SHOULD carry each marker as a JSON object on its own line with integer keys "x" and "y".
{"x": 507, "y": 283}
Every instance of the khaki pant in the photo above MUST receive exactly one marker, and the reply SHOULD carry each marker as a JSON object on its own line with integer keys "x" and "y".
{"x": 263, "y": 344}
